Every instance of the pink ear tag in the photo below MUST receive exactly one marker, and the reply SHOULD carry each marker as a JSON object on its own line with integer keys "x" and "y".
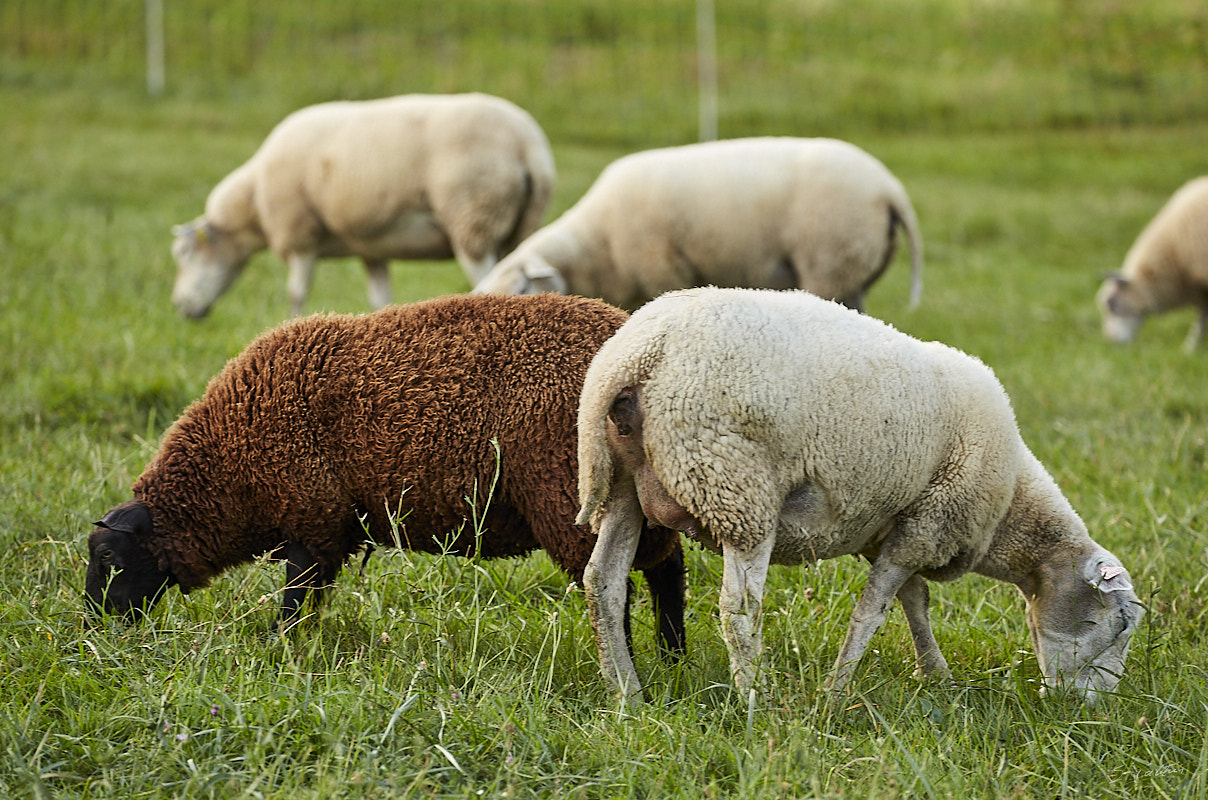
{"x": 1110, "y": 571}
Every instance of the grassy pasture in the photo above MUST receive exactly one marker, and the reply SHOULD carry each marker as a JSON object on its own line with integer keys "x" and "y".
{"x": 429, "y": 677}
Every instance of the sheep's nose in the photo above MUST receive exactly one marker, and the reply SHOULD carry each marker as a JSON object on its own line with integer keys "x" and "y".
{"x": 191, "y": 312}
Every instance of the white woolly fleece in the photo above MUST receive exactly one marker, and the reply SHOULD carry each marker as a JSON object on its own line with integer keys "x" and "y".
{"x": 770, "y": 212}
{"x": 792, "y": 429}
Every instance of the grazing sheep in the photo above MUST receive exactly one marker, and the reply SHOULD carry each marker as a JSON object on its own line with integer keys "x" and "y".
{"x": 776, "y": 427}
{"x": 325, "y": 424}
{"x": 771, "y": 213}
{"x": 1166, "y": 268}
{"x": 415, "y": 176}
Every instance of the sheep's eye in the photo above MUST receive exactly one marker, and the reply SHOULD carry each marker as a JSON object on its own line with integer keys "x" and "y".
{"x": 106, "y": 555}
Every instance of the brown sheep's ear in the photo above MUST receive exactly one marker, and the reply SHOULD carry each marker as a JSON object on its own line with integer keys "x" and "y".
{"x": 130, "y": 517}
{"x": 112, "y": 522}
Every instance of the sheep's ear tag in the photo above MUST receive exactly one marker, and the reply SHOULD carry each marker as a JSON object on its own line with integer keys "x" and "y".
{"x": 197, "y": 232}
{"x": 1112, "y": 578}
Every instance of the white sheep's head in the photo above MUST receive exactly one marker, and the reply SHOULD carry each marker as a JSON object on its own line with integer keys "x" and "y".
{"x": 1121, "y": 309}
{"x": 522, "y": 273}
{"x": 207, "y": 262}
{"x": 1082, "y": 617}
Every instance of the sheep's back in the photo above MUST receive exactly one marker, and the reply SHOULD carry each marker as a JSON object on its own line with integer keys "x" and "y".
{"x": 729, "y": 212}
{"x": 1175, "y": 242}
{"x": 420, "y": 146}
{"x": 331, "y": 419}
{"x": 411, "y": 398}
{"x": 785, "y": 390}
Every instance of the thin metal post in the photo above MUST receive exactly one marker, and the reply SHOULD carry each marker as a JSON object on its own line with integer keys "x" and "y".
{"x": 155, "y": 47}
{"x": 706, "y": 61}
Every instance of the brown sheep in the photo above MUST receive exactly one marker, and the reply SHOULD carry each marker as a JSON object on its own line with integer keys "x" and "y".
{"x": 332, "y": 420}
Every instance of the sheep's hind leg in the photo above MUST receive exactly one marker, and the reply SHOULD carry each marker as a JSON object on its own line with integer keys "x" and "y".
{"x": 303, "y": 574}
{"x": 475, "y": 268}
{"x": 301, "y": 273}
{"x": 379, "y": 282}
{"x": 744, "y": 573}
{"x": 884, "y": 581}
{"x": 666, "y": 582}
{"x": 606, "y": 584}
{"x": 915, "y": 597}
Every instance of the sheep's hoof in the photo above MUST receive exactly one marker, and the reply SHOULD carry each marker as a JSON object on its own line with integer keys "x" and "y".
{"x": 834, "y": 685}
{"x": 934, "y": 675}
{"x": 285, "y": 625}
{"x": 632, "y": 701}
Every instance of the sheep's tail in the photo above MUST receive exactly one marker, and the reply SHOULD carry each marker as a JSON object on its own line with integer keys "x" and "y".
{"x": 903, "y": 211}
{"x": 539, "y": 176}
{"x": 622, "y": 361}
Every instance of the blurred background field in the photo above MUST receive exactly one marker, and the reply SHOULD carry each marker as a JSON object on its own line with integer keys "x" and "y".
{"x": 1036, "y": 138}
{"x": 626, "y": 72}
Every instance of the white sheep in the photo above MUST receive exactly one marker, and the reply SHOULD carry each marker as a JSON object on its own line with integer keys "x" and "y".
{"x": 1166, "y": 268}
{"x": 414, "y": 176}
{"x": 776, "y": 427}
{"x": 772, "y": 213}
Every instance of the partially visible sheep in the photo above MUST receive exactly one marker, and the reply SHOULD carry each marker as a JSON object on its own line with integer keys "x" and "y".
{"x": 329, "y": 422}
{"x": 1166, "y": 268}
{"x": 776, "y": 427}
{"x": 773, "y": 213}
{"x": 414, "y": 176}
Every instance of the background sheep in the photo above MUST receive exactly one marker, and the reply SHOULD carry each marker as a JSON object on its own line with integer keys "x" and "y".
{"x": 1167, "y": 267}
{"x": 415, "y": 176}
{"x": 782, "y": 428}
{"x": 774, "y": 213}
{"x": 325, "y": 422}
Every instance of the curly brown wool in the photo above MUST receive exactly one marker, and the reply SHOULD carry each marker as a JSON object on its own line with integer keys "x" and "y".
{"x": 326, "y": 425}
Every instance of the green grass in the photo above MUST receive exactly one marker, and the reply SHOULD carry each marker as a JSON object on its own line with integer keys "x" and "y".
{"x": 442, "y": 677}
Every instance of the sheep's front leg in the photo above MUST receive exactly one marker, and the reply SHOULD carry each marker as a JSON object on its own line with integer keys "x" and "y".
{"x": 854, "y": 301}
{"x": 301, "y": 273}
{"x": 884, "y": 581}
{"x": 379, "y": 283}
{"x": 1196, "y": 334}
{"x": 606, "y": 583}
{"x": 915, "y": 597}
{"x": 744, "y": 573}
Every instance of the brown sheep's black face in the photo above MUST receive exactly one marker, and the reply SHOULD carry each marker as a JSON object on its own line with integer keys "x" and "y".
{"x": 123, "y": 578}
